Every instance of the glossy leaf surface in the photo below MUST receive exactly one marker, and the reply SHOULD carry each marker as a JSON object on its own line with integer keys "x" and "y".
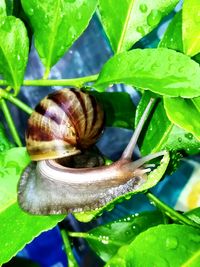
{"x": 160, "y": 133}
{"x": 13, "y": 51}
{"x": 191, "y": 27}
{"x": 2, "y": 8}
{"x": 170, "y": 246}
{"x": 57, "y": 24}
{"x": 17, "y": 226}
{"x": 106, "y": 239}
{"x": 152, "y": 179}
{"x": 173, "y": 35}
{"x": 160, "y": 70}
{"x": 185, "y": 115}
{"x": 127, "y": 21}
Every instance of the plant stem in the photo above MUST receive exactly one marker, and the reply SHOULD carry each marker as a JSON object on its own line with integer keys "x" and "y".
{"x": 16, "y": 101}
{"x": 71, "y": 260}
{"x": 171, "y": 212}
{"x": 77, "y": 82}
{"x": 10, "y": 122}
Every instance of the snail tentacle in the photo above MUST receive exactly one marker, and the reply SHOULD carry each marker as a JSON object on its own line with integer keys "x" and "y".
{"x": 128, "y": 151}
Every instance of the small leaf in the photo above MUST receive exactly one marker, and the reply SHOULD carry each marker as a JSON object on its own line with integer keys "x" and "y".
{"x": 2, "y": 8}
{"x": 185, "y": 115}
{"x": 152, "y": 179}
{"x": 118, "y": 107}
{"x": 168, "y": 243}
{"x": 17, "y": 226}
{"x": 191, "y": 27}
{"x": 172, "y": 38}
{"x": 57, "y": 24}
{"x": 106, "y": 239}
{"x": 131, "y": 20}
{"x": 13, "y": 51}
{"x": 160, "y": 70}
{"x": 160, "y": 133}
{"x": 194, "y": 215}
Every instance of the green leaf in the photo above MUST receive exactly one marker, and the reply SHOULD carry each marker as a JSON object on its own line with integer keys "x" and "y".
{"x": 13, "y": 51}
{"x": 194, "y": 215}
{"x": 10, "y": 7}
{"x": 160, "y": 133}
{"x": 131, "y": 20}
{"x": 191, "y": 27}
{"x": 57, "y": 24}
{"x": 160, "y": 70}
{"x": 106, "y": 239}
{"x": 168, "y": 243}
{"x": 2, "y": 8}
{"x": 118, "y": 107}
{"x": 184, "y": 113}
{"x": 16, "y": 226}
{"x": 152, "y": 179}
{"x": 172, "y": 38}
{"x": 5, "y": 144}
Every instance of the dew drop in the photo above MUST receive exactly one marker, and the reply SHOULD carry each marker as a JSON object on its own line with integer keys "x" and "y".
{"x": 143, "y": 8}
{"x": 189, "y": 136}
{"x": 181, "y": 69}
{"x": 127, "y": 197}
{"x": 180, "y": 139}
{"x": 79, "y": 16}
{"x": 2, "y": 147}
{"x": 46, "y": 19}
{"x": 171, "y": 242}
{"x": 30, "y": 11}
{"x": 154, "y": 17}
{"x": 141, "y": 30}
{"x": 18, "y": 57}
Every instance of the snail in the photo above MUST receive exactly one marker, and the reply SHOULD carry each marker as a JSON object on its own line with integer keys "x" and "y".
{"x": 63, "y": 124}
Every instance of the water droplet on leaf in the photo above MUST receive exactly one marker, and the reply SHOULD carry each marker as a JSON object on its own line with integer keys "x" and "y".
{"x": 154, "y": 17}
{"x": 171, "y": 242}
{"x": 189, "y": 136}
{"x": 180, "y": 139}
{"x": 30, "y": 11}
{"x": 141, "y": 30}
{"x": 143, "y": 8}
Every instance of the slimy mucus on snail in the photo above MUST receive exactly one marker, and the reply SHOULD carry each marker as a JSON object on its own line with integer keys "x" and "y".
{"x": 64, "y": 123}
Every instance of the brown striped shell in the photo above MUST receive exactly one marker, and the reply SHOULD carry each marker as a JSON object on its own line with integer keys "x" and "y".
{"x": 63, "y": 123}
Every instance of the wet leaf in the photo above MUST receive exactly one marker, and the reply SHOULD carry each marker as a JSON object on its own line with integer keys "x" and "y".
{"x": 106, "y": 239}
{"x": 191, "y": 27}
{"x": 160, "y": 70}
{"x": 13, "y": 51}
{"x": 186, "y": 115}
{"x": 17, "y": 226}
{"x": 57, "y": 24}
{"x": 131, "y": 20}
{"x": 173, "y": 35}
{"x": 168, "y": 243}
{"x": 160, "y": 133}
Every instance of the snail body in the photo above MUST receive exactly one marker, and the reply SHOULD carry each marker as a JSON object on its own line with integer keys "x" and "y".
{"x": 49, "y": 187}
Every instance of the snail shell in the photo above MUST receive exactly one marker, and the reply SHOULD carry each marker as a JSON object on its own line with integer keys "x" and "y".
{"x": 63, "y": 123}
{"x": 49, "y": 187}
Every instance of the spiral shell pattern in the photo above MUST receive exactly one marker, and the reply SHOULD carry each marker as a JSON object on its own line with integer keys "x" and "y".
{"x": 63, "y": 123}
